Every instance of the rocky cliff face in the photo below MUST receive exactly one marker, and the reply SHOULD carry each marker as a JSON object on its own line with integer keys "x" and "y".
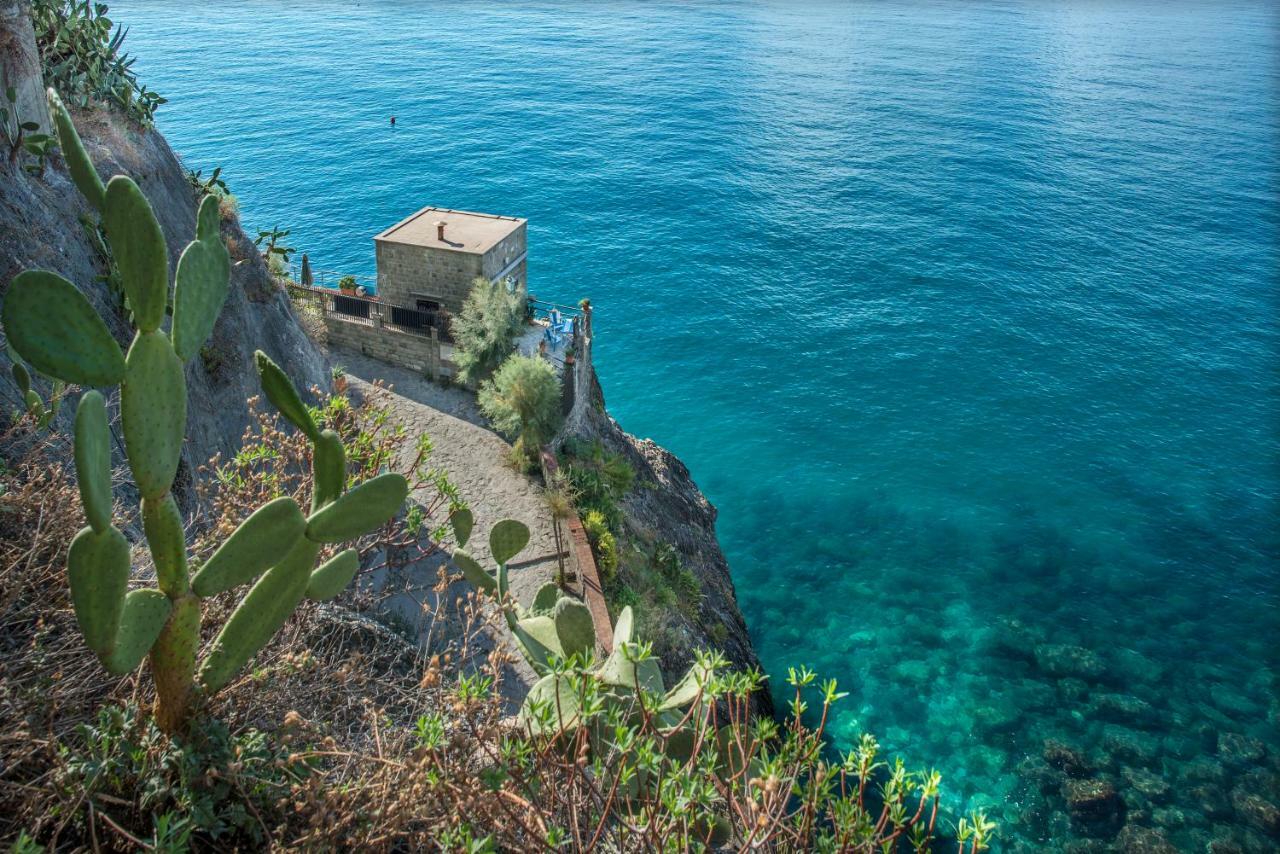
{"x": 43, "y": 224}
{"x": 670, "y": 509}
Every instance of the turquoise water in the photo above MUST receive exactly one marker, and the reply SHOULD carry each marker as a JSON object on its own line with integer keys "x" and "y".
{"x": 964, "y": 315}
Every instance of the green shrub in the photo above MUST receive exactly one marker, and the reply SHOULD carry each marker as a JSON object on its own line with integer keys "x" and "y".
{"x": 211, "y": 783}
{"x": 522, "y": 401}
{"x": 603, "y": 544}
{"x": 81, "y": 58}
{"x": 486, "y": 329}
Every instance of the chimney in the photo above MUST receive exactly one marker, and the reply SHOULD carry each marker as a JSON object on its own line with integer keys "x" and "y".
{"x": 440, "y": 231}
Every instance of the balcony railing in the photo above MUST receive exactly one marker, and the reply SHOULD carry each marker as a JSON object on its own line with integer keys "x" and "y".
{"x": 370, "y": 311}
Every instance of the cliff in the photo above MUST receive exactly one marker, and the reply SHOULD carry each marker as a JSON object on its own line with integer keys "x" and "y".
{"x": 667, "y": 507}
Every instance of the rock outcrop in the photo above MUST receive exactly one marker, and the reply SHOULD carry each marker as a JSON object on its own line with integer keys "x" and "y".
{"x": 669, "y": 508}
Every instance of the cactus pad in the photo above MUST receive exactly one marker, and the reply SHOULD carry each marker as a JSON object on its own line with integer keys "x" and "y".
{"x": 199, "y": 291}
{"x": 507, "y": 539}
{"x": 360, "y": 511}
{"x": 51, "y": 324}
{"x": 153, "y": 412}
{"x": 283, "y": 396}
{"x": 474, "y": 572}
{"x": 145, "y": 613}
{"x": 329, "y": 465}
{"x": 139, "y": 249}
{"x": 462, "y": 521}
{"x": 83, "y": 174}
{"x": 209, "y": 220}
{"x": 574, "y": 627}
{"x": 261, "y": 541}
{"x": 98, "y": 568}
{"x": 162, "y": 523}
{"x": 93, "y": 460}
{"x": 334, "y": 575}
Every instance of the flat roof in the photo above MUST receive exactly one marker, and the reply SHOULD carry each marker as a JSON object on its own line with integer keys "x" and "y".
{"x": 464, "y": 231}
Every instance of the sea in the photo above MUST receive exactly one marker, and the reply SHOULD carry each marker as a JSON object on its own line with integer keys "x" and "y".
{"x": 963, "y": 314}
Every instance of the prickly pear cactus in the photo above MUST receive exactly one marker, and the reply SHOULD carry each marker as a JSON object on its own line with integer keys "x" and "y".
{"x": 50, "y": 323}
{"x": 556, "y": 628}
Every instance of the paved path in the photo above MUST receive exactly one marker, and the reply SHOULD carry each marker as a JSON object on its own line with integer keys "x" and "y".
{"x": 475, "y": 459}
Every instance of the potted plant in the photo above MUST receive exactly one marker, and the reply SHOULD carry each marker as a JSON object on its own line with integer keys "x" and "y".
{"x": 568, "y": 356}
{"x": 347, "y": 284}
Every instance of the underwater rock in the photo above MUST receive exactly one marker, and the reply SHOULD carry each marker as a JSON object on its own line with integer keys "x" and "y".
{"x": 1256, "y": 810}
{"x": 1152, "y": 786}
{"x": 1180, "y": 746}
{"x": 1239, "y": 749}
{"x": 1124, "y": 708}
{"x": 1205, "y": 770}
{"x": 1067, "y": 759}
{"x": 1210, "y": 801}
{"x": 1002, "y": 715}
{"x": 1135, "y": 839}
{"x": 1231, "y": 701}
{"x": 1037, "y": 774}
{"x": 1139, "y": 748}
{"x": 1073, "y": 690}
{"x": 1095, "y": 807}
{"x": 1014, "y": 639}
{"x": 1169, "y": 817}
{"x": 912, "y": 671}
{"x": 1131, "y": 666}
{"x": 1061, "y": 659}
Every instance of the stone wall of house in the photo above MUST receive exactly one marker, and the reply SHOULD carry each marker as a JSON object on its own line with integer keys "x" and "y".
{"x": 507, "y": 250}
{"x": 405, "y": 272}
{"x": 427, "y": 355}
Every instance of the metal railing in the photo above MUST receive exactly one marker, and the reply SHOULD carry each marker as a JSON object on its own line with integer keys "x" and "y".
{"x": 370, "y": 311}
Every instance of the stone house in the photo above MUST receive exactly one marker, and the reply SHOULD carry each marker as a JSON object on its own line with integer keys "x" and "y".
{"x": 428, "y": 261}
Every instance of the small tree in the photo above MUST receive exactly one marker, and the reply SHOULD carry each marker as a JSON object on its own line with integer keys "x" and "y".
{"x": 486, "y": 328}
{"x": 523, "y": 402}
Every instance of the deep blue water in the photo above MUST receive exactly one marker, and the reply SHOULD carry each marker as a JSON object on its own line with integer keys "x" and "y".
{"x": 963, "y": 314}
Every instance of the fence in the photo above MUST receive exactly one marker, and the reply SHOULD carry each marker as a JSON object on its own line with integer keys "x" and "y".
{"x": 370, "y": 311}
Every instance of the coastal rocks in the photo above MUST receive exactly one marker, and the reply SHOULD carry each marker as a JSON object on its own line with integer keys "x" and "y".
{"x": 1151, "y": 786}
{"x": 1066, "y": 759}
{"x": 1138, "y": 748}
{"x": 1124, "y": 708}
{"x": 1135, "y": 839}
{"x": 1095, "y": 807}
{"x": 1238, "y": 749}
{"x": 1257, "y": 811}
{"x": 1060, "y": 659}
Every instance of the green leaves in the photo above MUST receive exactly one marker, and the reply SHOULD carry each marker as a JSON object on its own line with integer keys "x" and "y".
{"x": 139, "y": 249}
{"x": 51, "y": 324}
{"x": 198, "y": 295}
{"x": 261, "y": 541}
{"x": 360, "y": 511}
{"x": 83, "y": 173}
{"x": 507, "y": 539}
{"x": 93, "y": 460}
{"x": 278, "y": 388}
{"x": 153, "y": 412}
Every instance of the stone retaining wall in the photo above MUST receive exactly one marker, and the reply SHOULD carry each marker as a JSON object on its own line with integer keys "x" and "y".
{"x": 426, "y": 354}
